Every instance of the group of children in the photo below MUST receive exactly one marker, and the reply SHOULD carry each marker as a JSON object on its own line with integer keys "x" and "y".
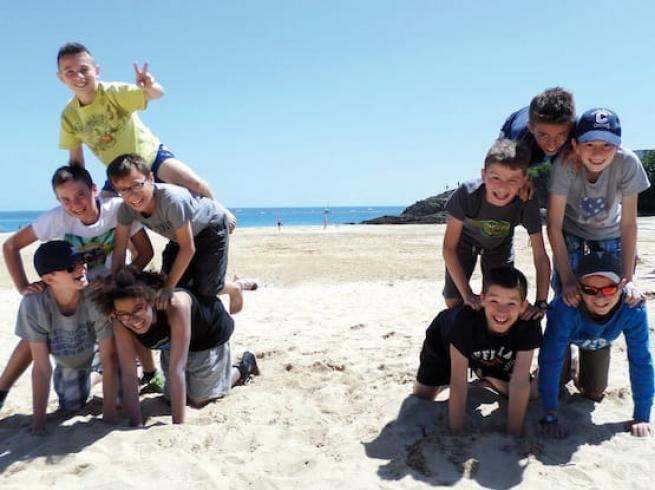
{"x": 92, "y": 313}
{"x": 592, "y": 228}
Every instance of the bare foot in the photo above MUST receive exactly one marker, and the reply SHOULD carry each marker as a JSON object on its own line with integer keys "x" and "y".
{"x": 246, "y": 284}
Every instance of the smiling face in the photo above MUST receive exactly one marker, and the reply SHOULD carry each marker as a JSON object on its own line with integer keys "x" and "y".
{"x": 596, "y": 155}
{"x": 78, "y": 201}
{"x": 550, "y": 137}
{"x": 80, "y": 74}
{"x": 502, "y": 308}
{"x": 137, "y": 191}
{"x": 502, "y": 183}
{"x": 134, "y": 313}
{"x": 74, "y": 280}
{"x": 599, "y": 304}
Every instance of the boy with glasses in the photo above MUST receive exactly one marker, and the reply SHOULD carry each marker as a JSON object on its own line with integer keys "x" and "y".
{"x": 62, "y": 321}
{"x": 593, "y": 325}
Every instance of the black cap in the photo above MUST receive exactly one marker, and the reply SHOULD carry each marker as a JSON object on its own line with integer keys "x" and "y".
{"x": 57, "y": 255}
{"x": 600, "y": 264}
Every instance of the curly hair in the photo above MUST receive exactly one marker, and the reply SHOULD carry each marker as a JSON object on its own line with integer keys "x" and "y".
{"x": 128, "y": 283}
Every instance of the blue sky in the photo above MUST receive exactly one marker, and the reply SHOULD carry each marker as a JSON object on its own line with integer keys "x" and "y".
{"x": 343, "y": 102}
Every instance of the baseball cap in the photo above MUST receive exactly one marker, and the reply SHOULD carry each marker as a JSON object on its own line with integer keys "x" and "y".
{"x": 598, "y": 124}
{"x": 57, "y": 255}
{"x": 600, "y": 264}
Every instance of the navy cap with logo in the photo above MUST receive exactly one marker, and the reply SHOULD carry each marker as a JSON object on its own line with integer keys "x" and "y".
{"x": 600, "y": 264}
{"x": 598, "y": 124}
{"x": 57, "y": 255}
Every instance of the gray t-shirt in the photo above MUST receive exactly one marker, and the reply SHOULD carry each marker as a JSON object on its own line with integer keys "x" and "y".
{"x": 71, "y": 338}
{"x": 174, "y": 206}
{"x": 488, "y": 226}
{"x": 593, "y": 209}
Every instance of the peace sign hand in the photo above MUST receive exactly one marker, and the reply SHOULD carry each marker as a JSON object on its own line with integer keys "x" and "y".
{"x": 143, "y": 78}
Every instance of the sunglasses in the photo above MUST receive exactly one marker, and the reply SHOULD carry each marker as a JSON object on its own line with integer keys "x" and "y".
{"x": 604, "y": 291}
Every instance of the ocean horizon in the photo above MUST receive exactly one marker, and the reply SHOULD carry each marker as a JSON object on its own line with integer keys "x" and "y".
{"x": 11, "y": 221}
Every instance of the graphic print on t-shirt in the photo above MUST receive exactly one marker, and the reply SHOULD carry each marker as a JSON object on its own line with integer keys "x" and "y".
{"x": 104, "y": 243}
{"x": 66, "y": 342}
{"x": 594, "y": 209}
{"x": 495, "y": 358}
{"x": 491, "y": 228}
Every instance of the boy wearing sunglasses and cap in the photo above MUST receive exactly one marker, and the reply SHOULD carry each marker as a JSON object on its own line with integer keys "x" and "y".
{"x": 62, "y": 321}
{"x": 593, "y": 325}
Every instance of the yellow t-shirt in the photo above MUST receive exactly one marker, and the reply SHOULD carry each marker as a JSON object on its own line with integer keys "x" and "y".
{"x": 109, "y": 126}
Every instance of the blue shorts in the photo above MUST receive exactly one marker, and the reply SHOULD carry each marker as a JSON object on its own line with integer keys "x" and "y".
{"x": 579, "y": 247}
{"x": 162, "y": 154}
{"x": 72, "y": 386}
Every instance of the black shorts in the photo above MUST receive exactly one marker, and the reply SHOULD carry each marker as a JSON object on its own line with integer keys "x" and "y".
{"x": 594, "y": 369}
{"x": 205, "y": 275}
{"x": 467, "y": 255}
{"x": 434, "y": 367}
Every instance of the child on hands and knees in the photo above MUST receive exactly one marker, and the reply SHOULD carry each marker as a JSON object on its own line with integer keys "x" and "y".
{"x": 597, "y": 321}
{"x": 192, "y": 336}
{"x": 62, "y": 321}
{"x": 493, "y": 340}
{"x": 482, "y": 215}
{"x": 593, "y": 203}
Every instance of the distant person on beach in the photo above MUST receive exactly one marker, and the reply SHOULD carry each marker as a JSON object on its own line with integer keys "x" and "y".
{"x": 593, "y": 203}
{"x": 493, "y": 341}
{"x": 191, "y": 332}
{"x": 195, "y": 257}
{"x": 62, "y": 321}
{"x": 597, "y": 321}
{"x": 482, "y": 215}
{"x": 89, "y": 223}
{"x": 278, "y": 222}
{"x": 103, "y": 116}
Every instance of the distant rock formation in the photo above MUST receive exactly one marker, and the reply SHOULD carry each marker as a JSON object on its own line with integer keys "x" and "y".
{"x": 428, "y": 211}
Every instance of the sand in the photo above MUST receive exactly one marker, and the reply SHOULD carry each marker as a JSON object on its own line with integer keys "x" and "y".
{"x": 337, "y": 325}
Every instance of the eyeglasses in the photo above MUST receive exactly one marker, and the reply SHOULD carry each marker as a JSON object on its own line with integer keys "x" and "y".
{"x": 604, "y": 291}
{"x": 133, "y": 188}
{"x": 125, "y": 317}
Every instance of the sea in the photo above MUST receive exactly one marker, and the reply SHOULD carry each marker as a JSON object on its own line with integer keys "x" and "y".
{"x": 255, "y": 217}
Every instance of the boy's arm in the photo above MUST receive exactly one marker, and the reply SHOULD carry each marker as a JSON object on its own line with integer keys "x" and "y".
{"x": 450, "y": 241}
{"x": 458, "y": 389}
{"x": 143, "y": 246}
{"x": 640, "y": 365}
{"x": 542, "y": 268}
{"x": 76, "y": 157}
{"x": 109, "y": 377}
{"x": 11, "y": 251}
{"x": 127, "y": 361}
{"x": 519, "y": 392}
{"x": 187, "y": 249}
{"x": 145, "y": 80}
{"x": 41, "y": 374}
{"x": 556, "y": 209}
{"x": 120, "y": 247}
{"x": 628, "y": 228}
{"x": 179, "y": 318}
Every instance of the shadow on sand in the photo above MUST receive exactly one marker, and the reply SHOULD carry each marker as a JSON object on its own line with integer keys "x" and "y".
{"x": 418, "y": 443}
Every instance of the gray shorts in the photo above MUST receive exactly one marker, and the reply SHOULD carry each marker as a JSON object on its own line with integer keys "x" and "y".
{"x": 72, "y": 386}
{"x": 467, "y": 255}
{"x": 208, "y": 373}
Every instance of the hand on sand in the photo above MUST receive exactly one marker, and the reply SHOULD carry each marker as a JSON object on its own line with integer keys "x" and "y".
{"x": 555, "y": 430}
{"x": 639, "y": 429}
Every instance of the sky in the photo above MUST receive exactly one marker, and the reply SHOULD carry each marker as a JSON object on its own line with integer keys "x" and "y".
{"x": 322, "y": 102}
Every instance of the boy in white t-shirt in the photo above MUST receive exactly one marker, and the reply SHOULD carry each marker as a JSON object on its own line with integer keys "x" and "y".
{"x": 89, "y": 224}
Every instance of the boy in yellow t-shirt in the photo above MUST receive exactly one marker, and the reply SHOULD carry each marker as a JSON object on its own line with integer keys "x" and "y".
{"x": 103, "y": 116}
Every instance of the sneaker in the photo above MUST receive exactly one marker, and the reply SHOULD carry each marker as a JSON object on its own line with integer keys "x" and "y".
{"x": 154, "y": 384}
{"x": 247, "y": 367}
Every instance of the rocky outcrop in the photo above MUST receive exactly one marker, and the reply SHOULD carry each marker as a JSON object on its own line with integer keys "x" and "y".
{"x": 427, "y": 211}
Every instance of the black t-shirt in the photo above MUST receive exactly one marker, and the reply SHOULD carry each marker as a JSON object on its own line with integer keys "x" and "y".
{"x": 467, "y": 331}
{"x": 211, "y": 326}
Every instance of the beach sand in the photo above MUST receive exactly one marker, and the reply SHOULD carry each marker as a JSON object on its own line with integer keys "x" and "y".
{"x": 337, "y": 325}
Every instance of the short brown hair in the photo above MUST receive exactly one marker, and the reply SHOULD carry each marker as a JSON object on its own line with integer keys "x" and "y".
{"x": 506, "y": 277}
{"x": 71, "y": 173}
{"x": 509, "y": 153}
{"x": 552, "y": 106}
{"x": 122, "y": 165}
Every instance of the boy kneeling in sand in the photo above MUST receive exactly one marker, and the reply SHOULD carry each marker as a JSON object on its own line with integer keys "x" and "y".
{"x": 493, "y": 341}
{"x": 192, "y": 333}
{"x": 63, "y": 321}
{"x": 593, "y": 325}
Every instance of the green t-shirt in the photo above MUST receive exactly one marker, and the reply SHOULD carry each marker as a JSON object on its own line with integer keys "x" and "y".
{"x": 109, "y": 126}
